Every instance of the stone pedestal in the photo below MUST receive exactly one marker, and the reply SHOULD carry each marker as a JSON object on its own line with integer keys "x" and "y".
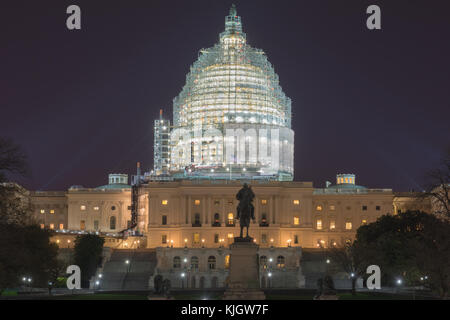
{"x": 243, "y": 281}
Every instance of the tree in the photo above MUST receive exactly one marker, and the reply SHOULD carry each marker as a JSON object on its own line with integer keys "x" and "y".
{"x": 26, "y": 251}
{"x": 14, "y": 200}
{"x": 439, "y": 186}
{"x": 408, "y": 245}
{"x": 12, "y": 159}
{"x": 348, "y": 260}
{"x": 88, "y": 255}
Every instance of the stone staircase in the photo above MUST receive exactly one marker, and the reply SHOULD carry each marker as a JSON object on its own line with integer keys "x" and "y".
{"x": 118, "y": 275}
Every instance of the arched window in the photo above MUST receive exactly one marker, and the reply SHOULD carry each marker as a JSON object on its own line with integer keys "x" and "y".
{"x": 112, "y": 223}
{"x": 211, "y": 262}
{"x": 263, "y": 261}
{"x": 176, "y": 262}
{"x": 194, "y": 263}
{"x": 227, "y": 261}
{"x": 281, "y": 262}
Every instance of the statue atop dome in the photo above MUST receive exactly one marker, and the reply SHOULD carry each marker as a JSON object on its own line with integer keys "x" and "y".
{"x": 233, "y": 11}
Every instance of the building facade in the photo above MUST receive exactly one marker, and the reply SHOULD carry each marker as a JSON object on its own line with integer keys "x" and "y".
{"x": 231, "y": 124}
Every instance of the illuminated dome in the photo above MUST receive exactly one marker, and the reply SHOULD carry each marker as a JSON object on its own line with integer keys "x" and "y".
{"x": 232, "y": 87}
{"x": 232, "y": 83}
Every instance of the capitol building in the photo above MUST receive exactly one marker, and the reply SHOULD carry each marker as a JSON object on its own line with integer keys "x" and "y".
{"x": 231, "y": 124}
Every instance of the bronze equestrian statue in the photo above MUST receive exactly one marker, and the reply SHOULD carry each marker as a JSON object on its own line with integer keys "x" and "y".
{"x": 245, "y": 209}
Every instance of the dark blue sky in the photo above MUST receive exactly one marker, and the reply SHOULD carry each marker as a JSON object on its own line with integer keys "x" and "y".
{"x": 82, "y": 103}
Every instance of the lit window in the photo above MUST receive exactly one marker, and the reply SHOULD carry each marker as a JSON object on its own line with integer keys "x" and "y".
{"x": 42, "y": 226}
{"x": 96, "y": 208}
{"x": 230, "y": 218}
{"x": 319, "y": 208}
{"x": 348, "y": 226}
{"x": 263, "y": 201}
{"x": 164, "y": 202}
{"x": 263, "y": 261}
{"x": 332, "y": 225}
{"x": 332, "y": 207}
{"x": 227, "y": 261}
{"x": 42, "y": 211}
{"x": 230, "y": 236}
{"x": 61, "y": 226}
{"x": 296, "y": 202}
{"x": 296, "y": 221}
{"x": 197, "y": 202}
{"x": 82, "y": 225}
{"x": 52, "y": 226}
{"x": 52, "y": 211}
{"x": 196, "y": 238}
{"x": 364, "y": 221}
{"x": 83, "y": 207}
{"x": 319, "y": 224}
{"x": 281, "y": 262}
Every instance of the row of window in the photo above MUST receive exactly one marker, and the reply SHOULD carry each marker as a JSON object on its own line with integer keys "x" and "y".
{"x": 348, "y": 224}
{"x": 217, "y": 202}
{"x": 333, "y": 207}
{"x": 52, "y": 226}
{"x": 95, "y": 208}
{"x": 112, "y": 224}
{"x": 230, "y": 236}
{"x": 212, "y": 261}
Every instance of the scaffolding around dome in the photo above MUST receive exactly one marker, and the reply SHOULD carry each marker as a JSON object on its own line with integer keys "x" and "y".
{"x": 231, "y": 87}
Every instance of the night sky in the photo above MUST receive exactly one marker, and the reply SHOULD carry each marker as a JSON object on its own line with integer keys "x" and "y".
{"x": 82, "y": 103}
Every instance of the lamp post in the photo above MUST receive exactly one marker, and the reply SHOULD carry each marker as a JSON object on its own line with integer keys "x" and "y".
{"x": 398, "y": 283}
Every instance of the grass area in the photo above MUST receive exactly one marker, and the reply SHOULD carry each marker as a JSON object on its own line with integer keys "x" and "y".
{"x": 9, "y": 293}
{"x": 102, "y": 296}
{"x": 217, "y": 295}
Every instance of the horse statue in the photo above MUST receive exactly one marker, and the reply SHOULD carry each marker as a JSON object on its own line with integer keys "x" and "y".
{"x": 245, "y": 209}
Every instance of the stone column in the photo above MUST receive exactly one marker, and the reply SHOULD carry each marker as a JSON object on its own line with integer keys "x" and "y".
{"x": 189, "y": 210}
